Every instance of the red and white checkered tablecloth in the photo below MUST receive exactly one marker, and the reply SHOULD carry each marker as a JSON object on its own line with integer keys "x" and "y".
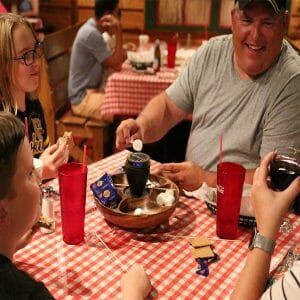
{"x": 127, "y": 92}
{"x": 90, "y": 271}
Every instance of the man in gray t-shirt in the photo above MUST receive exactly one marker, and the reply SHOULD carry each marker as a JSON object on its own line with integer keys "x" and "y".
{"x": 244, "y": 86}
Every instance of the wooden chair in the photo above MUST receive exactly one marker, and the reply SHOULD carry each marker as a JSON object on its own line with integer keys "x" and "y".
{"x": 53, "y": 95}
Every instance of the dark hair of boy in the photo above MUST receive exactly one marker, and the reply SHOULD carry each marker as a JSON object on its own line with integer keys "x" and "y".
{"x": 12, "y": 133}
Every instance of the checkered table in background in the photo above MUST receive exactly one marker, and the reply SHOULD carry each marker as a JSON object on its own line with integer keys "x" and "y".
{"x": 127, "y": 92}
{"x": 90, "y": 271}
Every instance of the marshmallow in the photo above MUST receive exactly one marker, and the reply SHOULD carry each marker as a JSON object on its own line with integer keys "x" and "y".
{"x": 137, "y": 145}
{"x": 138, "y": 211}
{"x": 166, "y": 199}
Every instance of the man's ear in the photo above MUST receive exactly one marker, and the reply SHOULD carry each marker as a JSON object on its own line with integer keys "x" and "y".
{"x": 286, "y": 19}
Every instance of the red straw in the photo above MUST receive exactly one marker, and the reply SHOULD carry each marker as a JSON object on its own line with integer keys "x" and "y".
{"x": 26, "y": 128}
{"x": 221, "y": 150}
{"x": 84, "y": 155}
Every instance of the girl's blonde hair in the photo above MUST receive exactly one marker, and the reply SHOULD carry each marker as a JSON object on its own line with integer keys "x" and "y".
{"x": 7, "y": 24}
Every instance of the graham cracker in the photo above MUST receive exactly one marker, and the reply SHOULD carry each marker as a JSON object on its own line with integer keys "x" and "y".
{"x": 200, "y": 241}
{"x": 203, "y": 252}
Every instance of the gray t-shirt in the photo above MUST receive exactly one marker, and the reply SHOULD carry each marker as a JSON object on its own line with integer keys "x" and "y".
{"x": 89, "y": 50}
{"x": 253, "y": 116}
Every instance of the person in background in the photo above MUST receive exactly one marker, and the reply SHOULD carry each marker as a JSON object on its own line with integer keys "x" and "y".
{"x": 20, "y": 212}
{"x": 91, "y": 56}
{"x": 29, "y": 8}
{"x": 26, "y": 8}
{"x": 20, "y": 51}
{"x": 244, "y": 87}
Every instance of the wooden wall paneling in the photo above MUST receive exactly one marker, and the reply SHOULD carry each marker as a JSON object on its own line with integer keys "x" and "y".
{"x": 59, "y": 13}
{"x": 294, "y": 25}
{"x": 85, "y": 13}
{"x": 85, "y": 9}
{"x": 132, "y": 4}
{"x": 133, "y": 19}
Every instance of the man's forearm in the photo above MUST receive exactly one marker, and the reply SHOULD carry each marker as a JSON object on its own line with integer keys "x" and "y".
{"x": 118, "y": 51}
{"x": 158, "y": 117}
{"x": 211, "y": 177}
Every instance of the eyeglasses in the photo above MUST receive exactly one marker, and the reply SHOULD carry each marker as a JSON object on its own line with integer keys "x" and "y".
{"x": 30, "y": 56}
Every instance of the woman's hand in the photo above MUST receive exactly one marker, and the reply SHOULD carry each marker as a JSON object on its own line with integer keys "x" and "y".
{"x": 270, "y": 206}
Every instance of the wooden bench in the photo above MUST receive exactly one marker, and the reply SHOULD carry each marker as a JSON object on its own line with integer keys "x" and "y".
{"x": 53, "y": 95}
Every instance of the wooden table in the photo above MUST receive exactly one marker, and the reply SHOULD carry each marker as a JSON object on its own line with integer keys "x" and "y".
{"x": 90, "y": 271}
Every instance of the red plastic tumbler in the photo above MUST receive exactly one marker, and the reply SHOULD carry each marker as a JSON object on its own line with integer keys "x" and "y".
{"x": 172, "y": 47}
{"x": 230, "y": 181}
{"x": 72, "y": 188}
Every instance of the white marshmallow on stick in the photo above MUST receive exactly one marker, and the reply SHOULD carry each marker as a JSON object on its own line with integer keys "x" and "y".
{"x": 137, "y": 145}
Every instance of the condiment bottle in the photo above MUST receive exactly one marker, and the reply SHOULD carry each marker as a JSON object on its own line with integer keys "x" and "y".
{"x": 172, "y": 47}
{"x": 157, "y": 56}
{"x": 48, "y": 208}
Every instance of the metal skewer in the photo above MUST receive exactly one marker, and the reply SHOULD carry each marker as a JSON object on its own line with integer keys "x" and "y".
{"x": 123, "y": 267}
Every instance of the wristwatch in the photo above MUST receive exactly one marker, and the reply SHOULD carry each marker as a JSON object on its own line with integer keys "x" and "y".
{"x": 262, "y": 242}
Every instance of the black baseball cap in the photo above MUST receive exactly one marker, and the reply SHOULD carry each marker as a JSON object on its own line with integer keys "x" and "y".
{"x": 278, "y": 5}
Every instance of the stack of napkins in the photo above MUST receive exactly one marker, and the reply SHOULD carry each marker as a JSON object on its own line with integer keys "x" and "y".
{"x": 209, "y": 194}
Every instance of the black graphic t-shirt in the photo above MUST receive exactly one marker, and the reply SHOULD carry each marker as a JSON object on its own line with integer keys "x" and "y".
{"x": 37, "y": 130}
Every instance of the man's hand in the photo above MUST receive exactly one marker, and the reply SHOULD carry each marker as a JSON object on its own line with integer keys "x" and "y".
{"x": 187, "y": 175}
{"x": 129, "y": 46}
{"x": 110, "y": 23}
{"x": 127, "y": 131}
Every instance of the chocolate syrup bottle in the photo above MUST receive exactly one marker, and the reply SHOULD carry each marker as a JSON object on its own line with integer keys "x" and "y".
{"x": 157, "y": 57}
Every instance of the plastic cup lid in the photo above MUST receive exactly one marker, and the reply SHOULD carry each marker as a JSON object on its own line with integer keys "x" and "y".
{"x": 138, "y": 159}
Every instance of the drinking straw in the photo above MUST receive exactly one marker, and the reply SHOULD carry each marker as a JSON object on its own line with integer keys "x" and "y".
{"x": 26, "y": 127}
{"x": 205, "y": 33}
{"x": 84, "y": 156}
{"x": 221, "y": 150}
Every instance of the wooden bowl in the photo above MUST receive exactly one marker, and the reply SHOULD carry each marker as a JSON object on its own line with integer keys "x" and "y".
{"x": 154, "y": 214}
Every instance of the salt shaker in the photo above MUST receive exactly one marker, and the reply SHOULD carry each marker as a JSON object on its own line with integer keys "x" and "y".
{"x": 48, "y": 208}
